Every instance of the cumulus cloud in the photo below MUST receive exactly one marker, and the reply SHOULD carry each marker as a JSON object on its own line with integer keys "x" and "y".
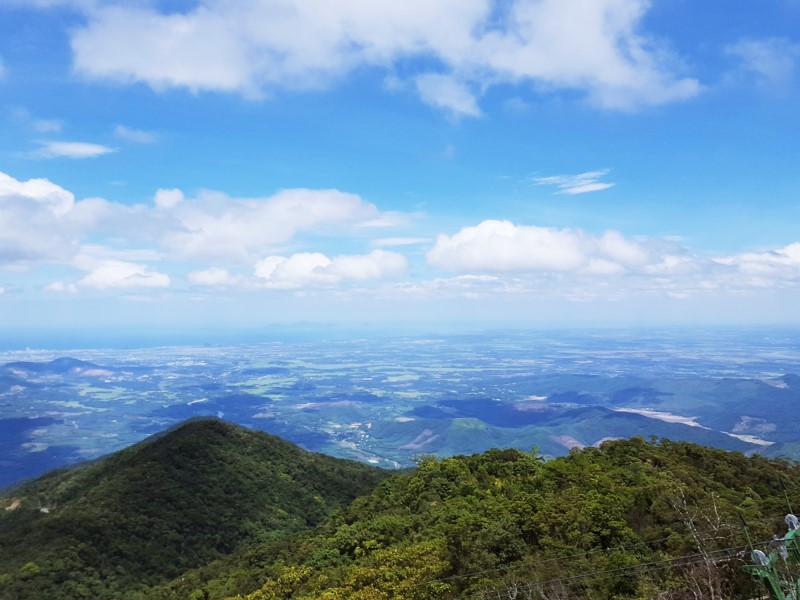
{"x": 446, "y": 92}
{"x": 114, "y": 275}
{"x": 501, "y": 246}
{"x": 314, "y": 269}
{"x": 500, "y": 257}
{"x": 74, "y": 150}
{"x": 254, "y": 47}
{"x": 110, "y": 269}
{"x": 138, "y": 136}
{"x": 60, "y": 287}
{"x": 41, "y": 221}
{"x": 35, "y": 220}
{"x": 213, "y": 277}
{"x": 166, "y": 199}
{"x": 761, "y": 268}
{"x": 576, "y": 184}
{"x": 38, "y": 191}
{"x": 772, "y": 61}
{"x": 216, "y": 227}
{"x": 119, "y": 275}
{"x": 114, "y": 246}
{"x": 587, "y": 45}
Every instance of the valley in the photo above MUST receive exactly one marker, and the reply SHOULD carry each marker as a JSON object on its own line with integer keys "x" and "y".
{"x": 387, "y": 401}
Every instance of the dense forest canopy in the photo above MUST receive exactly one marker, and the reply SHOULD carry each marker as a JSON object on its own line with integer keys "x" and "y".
{"x": 174, "y": 502}
{"x": 631, "y": 519}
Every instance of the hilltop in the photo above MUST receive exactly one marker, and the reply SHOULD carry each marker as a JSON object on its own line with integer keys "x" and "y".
{"x": 173, "y": 502}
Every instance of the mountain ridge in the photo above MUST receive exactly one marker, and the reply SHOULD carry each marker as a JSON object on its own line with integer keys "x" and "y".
{"x": 209, "y": 510}
{"x": 172, "y": 502}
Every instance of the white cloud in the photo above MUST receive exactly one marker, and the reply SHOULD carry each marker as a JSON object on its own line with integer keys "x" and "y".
{"x": 3, "y": 71}
{"x": 579, "y": 267}
{"x": 40, "y": 221}
{"x": 166, "y": 199}
{"x": 109, "y": 268}
{"x": 587, "y": 45}
{"x": 138, "y": 136}
{"x": 298, "y": 270}
{"x": 215, "y": 227}
{"x": 444, "y": 91}
{"x": 780, "y": 264}
{"x": 38, "y": 191}
{"x": 253, "y": 47}
{"x": 313, "y": 269}
{"x": 378, "y": 264}
{"x": 123, "y": 276}
{"x": 74, "y": 150}
{"x": 502, "y": 246}
{"x": 213, "y": 277}
{"x": 112, "y": 275}
{"x": 61, "y": 288}
{"x": 113, "y": 269}
{"x": 576, "y": 184}
{"x": 35, "y": 221}
{"x": 115, "y": 246}
{"x": 772, "y": 61}
{"x": 673, "y": 264}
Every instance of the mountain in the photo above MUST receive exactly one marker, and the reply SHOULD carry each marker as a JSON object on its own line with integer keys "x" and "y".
{"x": 173, "y": 502}
{"x": 630, "y": 519}
{"x": 212, "y": 511}
{"x": 58, "y": 366}
{"x": 468, "y": 426}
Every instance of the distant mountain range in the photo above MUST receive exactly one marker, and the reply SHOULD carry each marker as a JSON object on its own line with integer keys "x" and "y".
{"x": 58, "y": 366}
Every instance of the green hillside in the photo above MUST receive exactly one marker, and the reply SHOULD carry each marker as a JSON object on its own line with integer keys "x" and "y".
{"x": 173, "y": 502}
{"x": 225, "y": 512}
{"x": 628, "y": 520}
{"x": 554, "y": 431}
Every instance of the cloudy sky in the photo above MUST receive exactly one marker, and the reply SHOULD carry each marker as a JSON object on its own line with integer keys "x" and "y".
{"x": 190, "y": 164}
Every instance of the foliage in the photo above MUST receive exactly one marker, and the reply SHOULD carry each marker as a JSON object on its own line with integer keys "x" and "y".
{"x": 600, "y": 523}
{"x": 153, "y": 511}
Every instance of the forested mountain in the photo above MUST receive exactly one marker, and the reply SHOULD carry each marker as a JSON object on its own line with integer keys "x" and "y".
{"x": 227, "y": 512}
{"x": 631, "y": 519}
{"x": 173, "y": 502}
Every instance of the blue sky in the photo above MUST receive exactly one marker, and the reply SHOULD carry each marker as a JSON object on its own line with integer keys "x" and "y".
{"x": 217, "y": 164}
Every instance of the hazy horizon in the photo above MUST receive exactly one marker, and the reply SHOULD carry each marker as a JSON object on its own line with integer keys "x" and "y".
{"x": 49, "y": 341}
